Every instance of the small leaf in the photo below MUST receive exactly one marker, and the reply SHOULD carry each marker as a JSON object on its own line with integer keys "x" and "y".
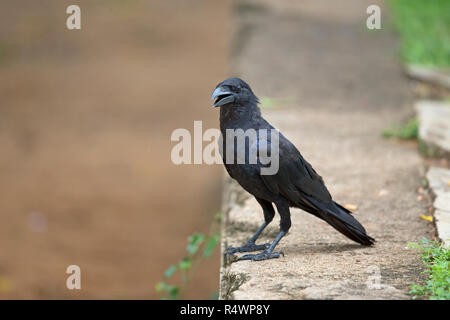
{"x": 160, "y": 286}
{"x": 211, "y": 244}
{"x": 425, "y": 217}
{"x": 351, "y": 207}
{"x": 185, "y": 264}
{"x": 194, "y": 242}
{"x": 170, "y": 271}
{"x": 173, "y": 292}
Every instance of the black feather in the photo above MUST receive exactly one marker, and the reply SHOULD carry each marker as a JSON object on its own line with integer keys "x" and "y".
{"x": 296, "y": 183}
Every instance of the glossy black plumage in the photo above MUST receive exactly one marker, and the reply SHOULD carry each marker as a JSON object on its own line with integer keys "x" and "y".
{"x": 296, "y": 184}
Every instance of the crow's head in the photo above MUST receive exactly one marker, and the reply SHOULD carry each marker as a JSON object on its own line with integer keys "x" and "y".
{"x": 232, "y": 91}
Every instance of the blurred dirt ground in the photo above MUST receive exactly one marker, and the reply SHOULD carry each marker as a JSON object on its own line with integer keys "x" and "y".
{"x": 85, "y": 125}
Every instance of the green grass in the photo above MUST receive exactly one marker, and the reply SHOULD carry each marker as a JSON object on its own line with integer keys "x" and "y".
{"x": 437, "y": 260}
{"x": 407, "y": 131}
{"x": 199, "y": 248}
{"x": 424, "y": 26}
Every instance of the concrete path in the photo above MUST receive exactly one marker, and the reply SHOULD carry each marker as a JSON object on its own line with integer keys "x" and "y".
{"x": 338, "y": 86}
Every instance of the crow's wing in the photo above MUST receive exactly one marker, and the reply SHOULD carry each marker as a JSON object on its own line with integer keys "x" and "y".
{"x": 298, "y": 182}
{"x": 296, "y": 179}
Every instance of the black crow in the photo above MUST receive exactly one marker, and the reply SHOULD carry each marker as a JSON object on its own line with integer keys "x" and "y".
{"x": 295, "y": 184}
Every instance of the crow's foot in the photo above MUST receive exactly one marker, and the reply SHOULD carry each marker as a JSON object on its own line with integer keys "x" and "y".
{"x": 248, "y": 247}
{"x": 262, "y": 256}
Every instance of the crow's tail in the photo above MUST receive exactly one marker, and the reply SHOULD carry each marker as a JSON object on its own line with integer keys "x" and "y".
{"x": 341, "y": 219}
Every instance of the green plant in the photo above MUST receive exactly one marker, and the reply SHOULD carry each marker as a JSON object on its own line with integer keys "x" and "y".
{"x": 437, "y": 260}
{"x": 199, "y": 248}
{"x": 424, "y": 26}
{"x": 407, "y": 131}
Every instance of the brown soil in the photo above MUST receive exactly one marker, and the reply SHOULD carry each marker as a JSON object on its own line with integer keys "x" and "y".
{"x": 85, "y": 125}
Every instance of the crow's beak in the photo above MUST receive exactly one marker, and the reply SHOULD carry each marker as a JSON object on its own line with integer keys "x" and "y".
{"x": 222, "y": 96}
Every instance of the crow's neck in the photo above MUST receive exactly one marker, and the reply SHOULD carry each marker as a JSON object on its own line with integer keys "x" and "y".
{"x": 239, "y": 115}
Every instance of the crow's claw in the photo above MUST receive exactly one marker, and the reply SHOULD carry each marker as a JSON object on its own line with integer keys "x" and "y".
{"x": 248, "y": 247}
{"x": 262, "y": 256}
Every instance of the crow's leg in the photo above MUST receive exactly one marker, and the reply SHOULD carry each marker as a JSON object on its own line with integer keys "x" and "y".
{"x": 267, "y": 253}
{"x": 285, "y": 224}
{"x": 250, "y": 246}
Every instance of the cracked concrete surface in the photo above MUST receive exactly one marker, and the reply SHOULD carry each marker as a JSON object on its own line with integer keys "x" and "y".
{"x": 337, "y": 86}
